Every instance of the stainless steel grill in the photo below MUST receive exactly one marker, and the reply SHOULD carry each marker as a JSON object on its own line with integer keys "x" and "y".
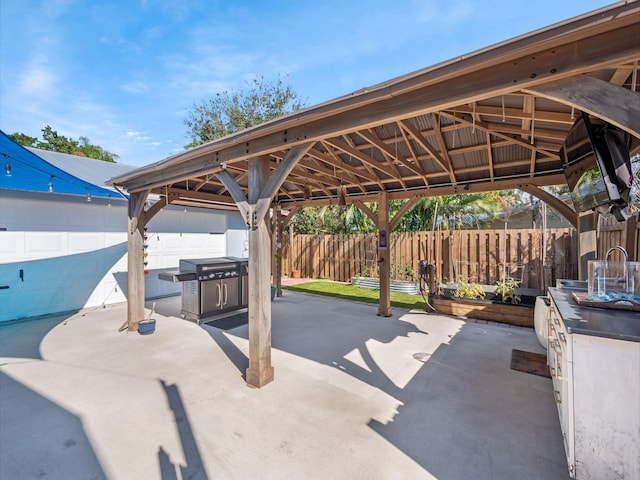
{"x": 210, "y": 286}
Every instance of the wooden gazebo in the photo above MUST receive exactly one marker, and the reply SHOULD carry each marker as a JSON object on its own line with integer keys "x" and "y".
{"x": 493, "y": 119}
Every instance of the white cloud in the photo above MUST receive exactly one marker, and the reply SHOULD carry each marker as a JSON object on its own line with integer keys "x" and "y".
{"x": 135, "y": 86}
{"x": 36, "y": 80}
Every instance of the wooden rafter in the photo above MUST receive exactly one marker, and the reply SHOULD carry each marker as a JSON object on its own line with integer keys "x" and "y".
{"x": 414, "y": 155}
{"x": 489, "y": 154}
{"x": 515, "y": 113}
{"x": 364, "y": 164}
{"x": 364, "y": 158}
{"x": 418, "y": 137}
{"x": 404, "y": 209}
{"x": 370, "y": 136}
{"x": 435, "y": 120}
{"x": 511, "y": 139}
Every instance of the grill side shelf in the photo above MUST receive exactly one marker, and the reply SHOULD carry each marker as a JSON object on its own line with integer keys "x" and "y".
{"x": 177, "y": 276}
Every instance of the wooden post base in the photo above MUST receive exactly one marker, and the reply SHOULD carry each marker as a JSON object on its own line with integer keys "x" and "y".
{"x": 257, "y": 378}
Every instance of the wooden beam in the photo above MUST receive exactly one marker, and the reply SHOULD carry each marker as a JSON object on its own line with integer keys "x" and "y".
{"x": 611, "y": 103}
{"x": 483, "y": 126}
{"x": 417, "y": 136}
{"x": 292, "y": 211}
{"x": 364, "y": 158}
{"x": 562, "y": 208}
{"x": 435, "y": 191}
{"x": 138, "y": 204}
{"x": 156, "y": 207}
{"x": 337, "y": 163}
{"x": 400, "y": 213}
{"x": 204, "y": 196}
{"x": 366, "y": 210}
{"x": 437, "y": 131}
{"x": 260, "y": 371}
{"x": 384, "y": 255}
{"x": 526, "y": 133}
{"x": 135, "y": 260}
{"x": 489, "y": 155}
{"x": 489, "y": 111}
{"x": 236, "y": 193}
{"x": 372, "y": 138}
{"x": 274, "y": 182}
{"x": 587, "y": 241}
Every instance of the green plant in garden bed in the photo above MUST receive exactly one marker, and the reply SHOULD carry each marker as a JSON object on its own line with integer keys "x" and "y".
{"x": 360, "y": 294}
{"x": 470, "y": 290}
{"x": 508, "y": 290}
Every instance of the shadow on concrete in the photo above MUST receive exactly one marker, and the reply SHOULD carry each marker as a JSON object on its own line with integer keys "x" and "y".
{"x": 194, "y": 469}
{"x": 52, "y": 440}
{"x": 237, "y": 357}
{"x": 26, "y": 344}
{"x": 463, "y": 414}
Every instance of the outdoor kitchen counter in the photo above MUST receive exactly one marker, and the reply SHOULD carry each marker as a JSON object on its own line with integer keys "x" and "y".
{"x": 600, "y": 322}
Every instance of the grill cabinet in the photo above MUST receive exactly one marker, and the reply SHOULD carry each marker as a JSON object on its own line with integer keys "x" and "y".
{"x": 210, "y": 286}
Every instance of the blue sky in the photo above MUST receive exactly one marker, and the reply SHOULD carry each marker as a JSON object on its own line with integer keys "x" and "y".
{"x": 125, "y": 73}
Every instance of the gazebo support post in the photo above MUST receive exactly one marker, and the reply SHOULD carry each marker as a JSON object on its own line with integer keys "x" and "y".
{"x": 254, "y": 207}
{"x": 384, "y": 256}
{"x": 135, "y": 259}
{"x": 260, "y": 371}
{"x": 587, "y": 242}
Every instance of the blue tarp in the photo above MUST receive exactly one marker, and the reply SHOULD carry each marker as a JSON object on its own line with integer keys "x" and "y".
{"x": 29, "y": 172}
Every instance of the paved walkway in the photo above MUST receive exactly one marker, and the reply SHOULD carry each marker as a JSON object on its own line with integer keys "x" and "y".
{"x": 355, "y": 396}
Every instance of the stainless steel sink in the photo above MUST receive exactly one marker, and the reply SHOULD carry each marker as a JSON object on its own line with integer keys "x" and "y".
{"x": 572, "y": 284}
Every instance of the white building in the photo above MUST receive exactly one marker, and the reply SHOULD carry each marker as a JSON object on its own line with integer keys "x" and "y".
{"x": 60, "y": 252}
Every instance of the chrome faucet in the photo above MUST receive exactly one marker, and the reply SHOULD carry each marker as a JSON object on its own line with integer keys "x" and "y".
{"x": 617, "y": 247}
{"x": 628, "y": 278}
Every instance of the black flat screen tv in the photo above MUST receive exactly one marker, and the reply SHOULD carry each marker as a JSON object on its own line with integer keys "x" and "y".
{"x": 597, "y": 167}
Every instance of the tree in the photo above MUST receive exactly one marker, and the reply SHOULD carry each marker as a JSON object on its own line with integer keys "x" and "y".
{"x": 448, "y": 211}
{"x": 24, "y": 140}
{"x": 54, "y": 142}
{"x": 231, "y": 111}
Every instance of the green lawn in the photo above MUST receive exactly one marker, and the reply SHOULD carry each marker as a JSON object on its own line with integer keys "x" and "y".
{"x": 349, "y": 292}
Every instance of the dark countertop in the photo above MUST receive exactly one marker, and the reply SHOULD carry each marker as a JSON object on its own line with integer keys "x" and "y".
{"x": 599, "y": 322}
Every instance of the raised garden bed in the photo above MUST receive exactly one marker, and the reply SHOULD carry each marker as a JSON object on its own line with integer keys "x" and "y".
{"x": 405, "y": 286}
{"x": 491, "y": 308}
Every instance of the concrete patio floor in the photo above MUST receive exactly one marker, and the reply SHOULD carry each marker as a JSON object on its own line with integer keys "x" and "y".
{"x": 355, "y": 396}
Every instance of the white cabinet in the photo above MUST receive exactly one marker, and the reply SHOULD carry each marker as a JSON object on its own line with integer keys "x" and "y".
{"x": 596, "y": 383}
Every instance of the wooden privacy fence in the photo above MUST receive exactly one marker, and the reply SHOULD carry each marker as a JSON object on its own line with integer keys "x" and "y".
{"x": 532, "y": 256}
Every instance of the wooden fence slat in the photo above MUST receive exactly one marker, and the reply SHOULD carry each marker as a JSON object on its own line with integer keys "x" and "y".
{"x": 480, "y": 254}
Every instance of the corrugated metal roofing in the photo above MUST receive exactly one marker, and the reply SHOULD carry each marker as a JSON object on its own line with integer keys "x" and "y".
{"x": 90, "y": 170}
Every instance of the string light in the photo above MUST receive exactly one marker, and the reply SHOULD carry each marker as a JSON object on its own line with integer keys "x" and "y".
{"x": 8, "y": 172}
